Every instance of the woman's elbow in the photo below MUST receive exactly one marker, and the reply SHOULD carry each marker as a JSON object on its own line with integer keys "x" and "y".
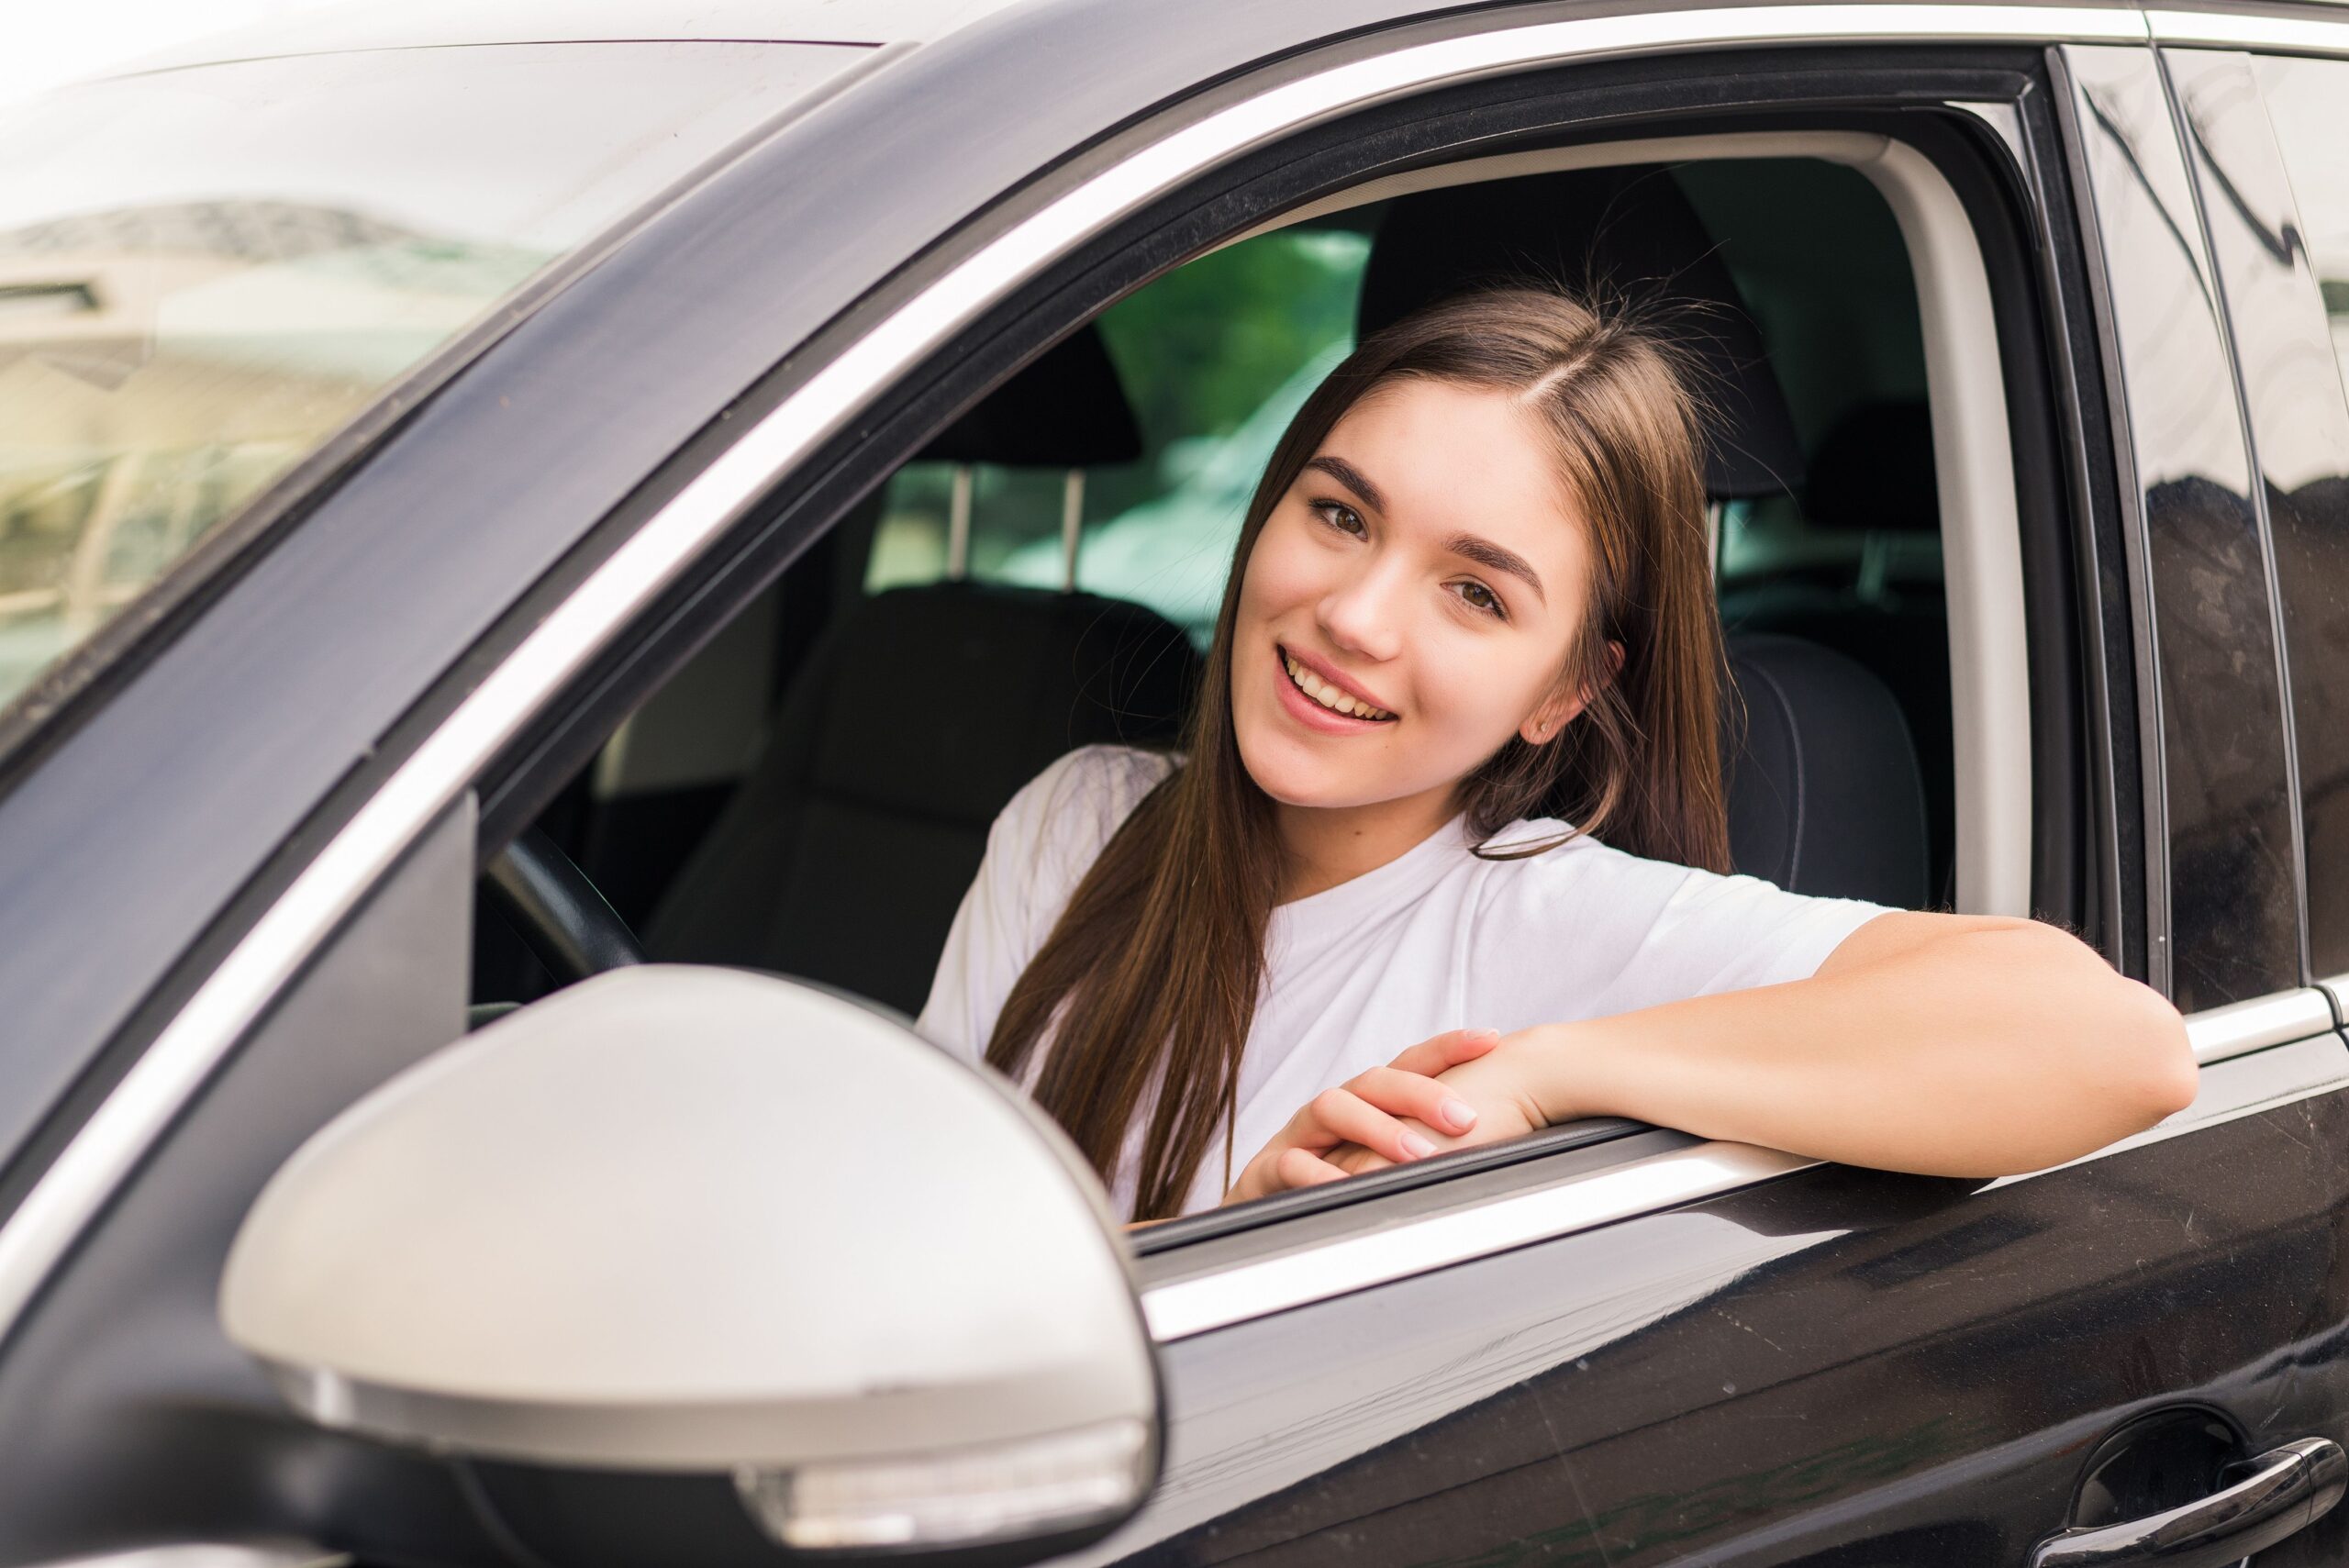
{"x": 2150, "y": 1060}
{"x": 2134, "y": 1050}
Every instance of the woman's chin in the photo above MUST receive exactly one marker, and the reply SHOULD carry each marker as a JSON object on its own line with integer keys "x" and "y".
{"x": 1289, "y": 773}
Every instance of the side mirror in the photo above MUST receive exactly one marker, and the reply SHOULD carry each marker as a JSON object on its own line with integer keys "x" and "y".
{"x": 674, "y": 1222}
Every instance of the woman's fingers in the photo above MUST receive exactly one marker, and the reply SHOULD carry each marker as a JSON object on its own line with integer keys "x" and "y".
{"x": 1364, "y": 1122}
{"x": 1400, "y": 1092}
{"x": 1341, "y": 1115}
{"x": 1449, "y": 1048}
{"x": 1303, "y": 1168}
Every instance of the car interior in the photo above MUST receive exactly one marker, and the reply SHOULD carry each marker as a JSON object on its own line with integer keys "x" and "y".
{"x": 811, "y": 792}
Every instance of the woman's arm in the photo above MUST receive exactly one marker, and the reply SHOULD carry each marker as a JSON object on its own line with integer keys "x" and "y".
{"x": 1943, "y": 1044}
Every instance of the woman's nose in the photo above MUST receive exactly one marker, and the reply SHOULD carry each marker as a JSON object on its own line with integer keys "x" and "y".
{"x": 1363, "y": 613}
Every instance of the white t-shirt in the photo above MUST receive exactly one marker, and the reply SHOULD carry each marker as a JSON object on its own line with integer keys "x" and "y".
{"x": 1437, "y": 938}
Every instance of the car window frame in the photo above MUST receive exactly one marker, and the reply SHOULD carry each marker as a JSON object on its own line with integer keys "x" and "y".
{"x": 584, "y": 627}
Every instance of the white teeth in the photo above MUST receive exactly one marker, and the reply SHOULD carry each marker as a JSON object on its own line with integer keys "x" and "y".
{"x": 1329, "y": 696}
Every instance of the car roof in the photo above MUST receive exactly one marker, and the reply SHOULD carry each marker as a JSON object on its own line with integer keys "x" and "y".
{"x": 362, "y": 25}
{"x": 427, "y": 23}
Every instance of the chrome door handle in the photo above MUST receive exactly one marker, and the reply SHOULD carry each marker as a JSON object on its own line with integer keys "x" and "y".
{"x": 2288, "y": 1489}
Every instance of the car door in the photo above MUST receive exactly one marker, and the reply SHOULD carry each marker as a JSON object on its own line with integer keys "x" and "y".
{"x": 1610, "y": 1343}
{"x": 1644, "y": 1350}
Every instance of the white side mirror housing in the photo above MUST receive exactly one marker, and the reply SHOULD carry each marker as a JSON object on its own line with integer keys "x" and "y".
{"x": 697, "y": 1220}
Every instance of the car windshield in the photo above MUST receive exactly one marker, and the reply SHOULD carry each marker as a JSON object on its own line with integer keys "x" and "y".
{"x": 206, "y": 272}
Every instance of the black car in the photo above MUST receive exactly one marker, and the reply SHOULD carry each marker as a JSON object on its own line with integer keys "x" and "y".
{"x": 491, "y": 494}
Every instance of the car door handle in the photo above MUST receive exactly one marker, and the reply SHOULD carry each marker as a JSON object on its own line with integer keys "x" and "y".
{"x": 2287, "y": 1489}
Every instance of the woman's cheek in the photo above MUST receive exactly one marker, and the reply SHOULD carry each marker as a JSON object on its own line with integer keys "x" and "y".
{"x": 1281, "y": 570}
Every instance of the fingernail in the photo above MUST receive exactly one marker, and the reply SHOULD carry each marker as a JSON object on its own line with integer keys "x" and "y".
{"x": 1458, "y": 1115}
{"x": 1487, "y": 1034}
{"x": 1417, "y": 1147}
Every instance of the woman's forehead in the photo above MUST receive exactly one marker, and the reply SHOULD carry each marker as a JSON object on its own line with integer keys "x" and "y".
{"x": 1449, "y": 458}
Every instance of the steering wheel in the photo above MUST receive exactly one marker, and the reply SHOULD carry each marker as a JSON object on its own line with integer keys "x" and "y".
{"x": 556, "y": 911}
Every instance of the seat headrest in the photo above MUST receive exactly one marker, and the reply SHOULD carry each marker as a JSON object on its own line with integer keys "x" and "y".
{"x": 1824, "y": 792}
{"x": 1625, "y": 231}
{"x": 943, "y": 700}
{"x": 1875, "y": 470}
{"x": 1065, "y": 408}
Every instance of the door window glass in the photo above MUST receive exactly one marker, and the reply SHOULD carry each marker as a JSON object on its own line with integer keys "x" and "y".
{"x": 2234, "y": 886}
{"x": 2290, "y": 305}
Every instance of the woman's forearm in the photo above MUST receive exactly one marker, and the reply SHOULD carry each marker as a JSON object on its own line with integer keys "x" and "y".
{"x": 1939, "y": 1044}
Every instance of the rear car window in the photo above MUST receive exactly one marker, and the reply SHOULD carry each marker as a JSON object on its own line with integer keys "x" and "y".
{"x": 204, "y": 272}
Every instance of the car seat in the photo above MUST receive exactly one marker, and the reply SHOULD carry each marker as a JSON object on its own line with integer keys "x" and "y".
{"x": 919, "y": 712}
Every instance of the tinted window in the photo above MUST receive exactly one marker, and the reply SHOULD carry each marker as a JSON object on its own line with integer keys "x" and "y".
{"x": 2233, "y": 891}
{"x": 2290, "y": 240}
{"x": 204, "y": 272}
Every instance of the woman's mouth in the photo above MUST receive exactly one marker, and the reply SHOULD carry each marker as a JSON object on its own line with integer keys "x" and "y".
{"x": 1315, "y": 698}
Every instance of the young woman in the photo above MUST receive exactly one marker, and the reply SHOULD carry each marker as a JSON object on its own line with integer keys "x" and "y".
{"x": 1342, "y": 929}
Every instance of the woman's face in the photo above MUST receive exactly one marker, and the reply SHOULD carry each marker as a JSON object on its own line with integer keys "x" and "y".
{"x": 1427, "y": 571}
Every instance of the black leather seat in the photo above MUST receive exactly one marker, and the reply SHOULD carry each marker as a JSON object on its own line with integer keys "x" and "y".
{"x": 1824, "y": 793}
{"x": 915, "y": 719}
{"x": 842, "y": 856}
{"x": 1872, "y": 477}
{"x": 1626, "y": 232}
{"x": 1823, "y": 786}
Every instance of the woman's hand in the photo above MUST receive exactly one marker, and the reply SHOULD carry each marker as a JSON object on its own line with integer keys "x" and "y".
{"x": 1494, "y": 1085}
{"x": 1401, "y": 1111}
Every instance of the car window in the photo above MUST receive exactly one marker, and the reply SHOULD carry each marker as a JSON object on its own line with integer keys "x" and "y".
{"x": 1846, "y": 346}
{"x": 2300, "y": 423}
{"x": 2233, "y": 889}
{"x": 1215, "y": 358}
{"x": 204, "y": 272}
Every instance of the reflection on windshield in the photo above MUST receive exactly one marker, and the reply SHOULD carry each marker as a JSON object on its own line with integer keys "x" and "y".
{"x": 204, "y": 273}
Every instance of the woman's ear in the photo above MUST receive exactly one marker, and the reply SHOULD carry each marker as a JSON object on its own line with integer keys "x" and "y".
{"x": 1547, "y": 722}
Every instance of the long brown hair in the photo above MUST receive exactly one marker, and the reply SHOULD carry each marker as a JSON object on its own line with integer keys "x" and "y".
{"x": 1150, "y": 976}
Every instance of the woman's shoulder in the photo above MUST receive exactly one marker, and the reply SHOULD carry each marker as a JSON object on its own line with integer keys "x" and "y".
{"x": 1543, "y": 860}
{"x": 1643, "y": 931}
{"x": 1069, "y": 811}
{"x": 1537, "y": 854}
{"x": 1104, "y": 777}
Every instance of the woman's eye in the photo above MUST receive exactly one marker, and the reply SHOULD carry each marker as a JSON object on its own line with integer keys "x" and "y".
{"x": 1342, "y": 517}
{"x": 1481, "y": 597}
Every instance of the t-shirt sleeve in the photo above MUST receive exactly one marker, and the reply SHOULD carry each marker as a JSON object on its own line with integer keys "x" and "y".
{"x": 1603, "y": 932}
{"x": 1038, "y": 848}
{"x": 1729, "y": 933}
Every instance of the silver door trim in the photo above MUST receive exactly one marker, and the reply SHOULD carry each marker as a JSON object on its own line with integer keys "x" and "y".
{"x": 2241, "y": 1028}
{"x": 94, "y": 1161}
{"x": 2235, "y": 29}
{"x": 1180, "y": 1309}
{"x": 2336, "y": 990}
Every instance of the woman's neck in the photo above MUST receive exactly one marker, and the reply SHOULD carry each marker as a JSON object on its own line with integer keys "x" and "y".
{"x": 1327, "y": 845}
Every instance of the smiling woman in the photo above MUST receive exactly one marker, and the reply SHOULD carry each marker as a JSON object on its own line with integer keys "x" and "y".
{"x": 1454, "y": 778}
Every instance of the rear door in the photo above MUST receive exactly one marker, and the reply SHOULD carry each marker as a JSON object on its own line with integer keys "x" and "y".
{"x": 1647, "y": 1349}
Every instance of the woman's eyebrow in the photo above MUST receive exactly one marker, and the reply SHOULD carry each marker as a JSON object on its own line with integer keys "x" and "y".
{"x": 1484, "y": 553}
{"x": 1349, "y": 476}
